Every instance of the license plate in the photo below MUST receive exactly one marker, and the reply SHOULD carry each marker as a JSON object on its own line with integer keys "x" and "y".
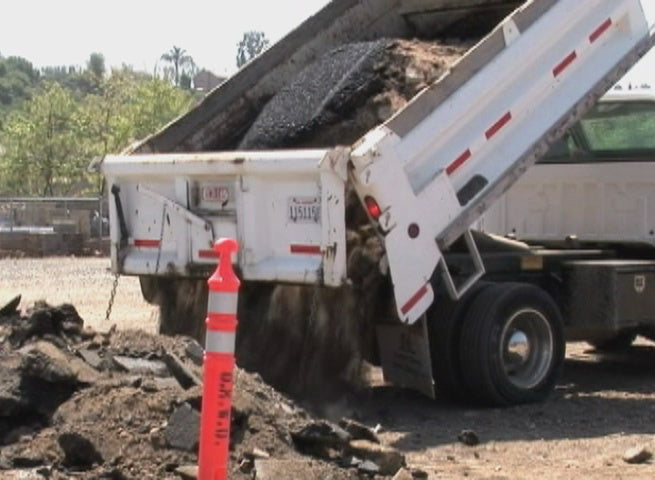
{"x": 304, "y": 209}
{"x": 216, "y": 194}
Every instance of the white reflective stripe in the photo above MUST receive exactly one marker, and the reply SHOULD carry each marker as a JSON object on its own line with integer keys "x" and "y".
{"x": 220, "y": 342}
{"x": 222, "y": 302}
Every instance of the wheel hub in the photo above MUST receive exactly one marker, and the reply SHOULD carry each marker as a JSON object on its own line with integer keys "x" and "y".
{"x": 527, "y": 348}
{"x": 518, "y": 347}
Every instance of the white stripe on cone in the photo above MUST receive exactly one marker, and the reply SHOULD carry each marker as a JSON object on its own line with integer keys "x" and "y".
{"x": 223, "y": 302}
{"x": 220, "y": 342}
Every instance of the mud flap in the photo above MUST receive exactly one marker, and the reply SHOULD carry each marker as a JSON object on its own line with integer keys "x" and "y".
{"x": 405, "y": 356}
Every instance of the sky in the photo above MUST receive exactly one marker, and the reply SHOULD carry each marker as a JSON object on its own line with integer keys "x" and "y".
{"x": 138, "y": 32}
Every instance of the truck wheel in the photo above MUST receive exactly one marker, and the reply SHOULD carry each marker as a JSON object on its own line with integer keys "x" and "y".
{"x": 614, "y": 343}
{"x": 512, "y": 345}
{"x": 445, "y": 318}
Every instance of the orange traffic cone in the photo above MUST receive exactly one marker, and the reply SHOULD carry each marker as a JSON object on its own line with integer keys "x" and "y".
{"x": 218, "y": 365}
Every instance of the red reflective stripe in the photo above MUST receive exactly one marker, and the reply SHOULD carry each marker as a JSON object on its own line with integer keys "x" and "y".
{"x": 207, "y": 254}
{"x": 306, "y": 249}
{"x": 496, "y": 127}
{"x": 565, "y": 63}
{"x": 459, "y": 161}
{"x": 414, "y": 300}
{"x": 146, "y": 243}
{"x": 600, "y": 30}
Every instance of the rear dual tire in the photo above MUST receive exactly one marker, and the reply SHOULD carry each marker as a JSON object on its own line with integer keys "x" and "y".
{"x": 511, "y": 345}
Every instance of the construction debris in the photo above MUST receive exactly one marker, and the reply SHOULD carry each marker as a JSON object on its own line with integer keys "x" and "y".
{"x": 117, "y": 407}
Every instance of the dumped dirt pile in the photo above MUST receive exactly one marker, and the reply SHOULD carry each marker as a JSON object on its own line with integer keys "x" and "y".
{"x": 125, "y": 405}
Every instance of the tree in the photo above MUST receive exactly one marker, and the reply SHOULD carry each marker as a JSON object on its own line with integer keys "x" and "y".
{"x": 96, "y": 65}
{"x": 130, "y": 107}
{"x": 180, "y": 62}
{"x": 250, "y": 46}
{"x": 72, "y": 78}
{"x": 49, "y": 140}
{"x": 18, "y": 78}
{"x": 41, "y": 154}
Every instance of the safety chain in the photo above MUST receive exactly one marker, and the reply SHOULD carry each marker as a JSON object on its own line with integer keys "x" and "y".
{"x": 112, "y": 296}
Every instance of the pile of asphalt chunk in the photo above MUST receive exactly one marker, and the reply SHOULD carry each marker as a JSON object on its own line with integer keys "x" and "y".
{"x": 348, "y": 91}
{"x": 311, "y": 341}
{"x": 126, "y": 405}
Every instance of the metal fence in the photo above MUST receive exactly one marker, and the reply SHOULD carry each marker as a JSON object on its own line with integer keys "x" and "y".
{"x": 52, "y": 225}
{"x": 54, "y": 214}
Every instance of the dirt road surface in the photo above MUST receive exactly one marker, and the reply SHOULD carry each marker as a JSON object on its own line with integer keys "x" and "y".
{"x": 603, "y": 406}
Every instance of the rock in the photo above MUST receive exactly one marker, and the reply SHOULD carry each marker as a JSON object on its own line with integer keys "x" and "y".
{"x": 187, "y": 472}
{"x": 468, "y": 437}
{"x": 192, "y": 396}
{"x": 195, "y": 352}
{"x": 45, "y": 361}
{"x": 349, "y": 461}
{"x": 185, "y": 377}
{"x": 258, "y": 453}
{"x": 70, "y": 323}
{"x": 11, "y": 307}
{"x": 111, "y": 474}
{"x": 368, "y": 467}
{"x": 388, "y": 459}
{"x": 28, "y": 458}
{"x": 22, "y": 396}
{"x": 79, "y": 451}
{"x": 92, "y": 358}
{"x": 54, "y": 320}
{"x": 22, "y": 475}
{"x": 403, "y": 474}
{"x": 316, "y": 437}
{"x": 419, "y": 474}
{"x": 11, "y": 400}
{"x": 141, "y": 366}
{"x": 358, "y": 431}
{"x": 88, "y": 333}
{"x": 183, "y": 429}
{"x": 268, "y": 469}
{"x": 637, "y": 455}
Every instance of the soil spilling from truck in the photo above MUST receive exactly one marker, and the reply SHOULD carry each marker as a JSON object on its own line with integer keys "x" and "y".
{"x": 75, "y": 403}
{"x": 310, "y": 341}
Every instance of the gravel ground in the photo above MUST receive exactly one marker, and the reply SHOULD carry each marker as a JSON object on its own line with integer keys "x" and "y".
{"x": 84, "y": 282}
{"x": 602, "y": 406}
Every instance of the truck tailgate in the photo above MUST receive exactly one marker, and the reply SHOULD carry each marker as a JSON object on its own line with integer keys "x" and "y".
{"x": 286, "y": 208}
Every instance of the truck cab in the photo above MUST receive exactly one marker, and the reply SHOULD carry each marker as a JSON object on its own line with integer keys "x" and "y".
{"x": 596, "y": 185}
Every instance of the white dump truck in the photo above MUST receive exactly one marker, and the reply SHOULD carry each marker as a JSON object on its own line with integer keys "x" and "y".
{"x": 489, "y": 279}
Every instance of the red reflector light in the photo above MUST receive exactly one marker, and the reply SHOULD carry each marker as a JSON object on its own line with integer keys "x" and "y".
{"x": 372, "y": 207}
{"x": 146, "y": 243}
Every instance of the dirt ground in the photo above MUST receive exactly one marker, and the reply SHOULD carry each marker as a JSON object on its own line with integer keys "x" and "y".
{"x": 602, "y": 406}
{"x": 83, "y": 282}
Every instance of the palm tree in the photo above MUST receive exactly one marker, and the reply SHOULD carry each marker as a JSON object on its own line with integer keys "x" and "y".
{"x": 177, "y": 57}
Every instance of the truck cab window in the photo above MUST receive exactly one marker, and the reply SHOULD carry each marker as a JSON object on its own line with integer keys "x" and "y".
{"x": 619, "y": 129}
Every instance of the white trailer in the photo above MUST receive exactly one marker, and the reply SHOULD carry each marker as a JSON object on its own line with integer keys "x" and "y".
{"x": 425, "y": 177}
